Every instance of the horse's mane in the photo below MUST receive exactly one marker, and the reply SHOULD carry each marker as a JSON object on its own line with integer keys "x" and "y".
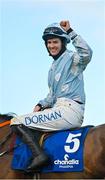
{"x": 7, "y": 116}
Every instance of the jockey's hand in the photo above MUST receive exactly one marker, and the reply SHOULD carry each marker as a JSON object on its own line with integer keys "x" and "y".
{"x": 37, "y": 108}
{"x": 65, "y": 25}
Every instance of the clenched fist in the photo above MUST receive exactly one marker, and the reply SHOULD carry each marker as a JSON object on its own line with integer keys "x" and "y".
{"x": 65, "y": 25}
{"x": 37, "y": 108}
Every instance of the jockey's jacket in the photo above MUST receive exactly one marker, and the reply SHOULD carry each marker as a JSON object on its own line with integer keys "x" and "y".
{"x": 65, "y": 77}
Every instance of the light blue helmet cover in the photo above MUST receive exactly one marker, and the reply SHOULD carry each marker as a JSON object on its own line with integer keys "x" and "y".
{"x": 55, "y": 30}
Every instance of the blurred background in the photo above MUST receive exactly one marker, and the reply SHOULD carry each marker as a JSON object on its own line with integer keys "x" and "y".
{"x": 24, "y": 61}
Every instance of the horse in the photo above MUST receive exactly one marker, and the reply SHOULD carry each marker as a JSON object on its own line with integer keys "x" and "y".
{"x": 94, "y": 155}
{"x": 6, "y": 147}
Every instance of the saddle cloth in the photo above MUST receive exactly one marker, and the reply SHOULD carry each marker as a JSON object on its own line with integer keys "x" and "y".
{"x": 65, "y": 149}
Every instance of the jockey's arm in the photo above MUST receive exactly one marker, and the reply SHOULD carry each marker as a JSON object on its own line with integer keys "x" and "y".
{"x": 45, "y": 103}
{"x": 83, "y": 52}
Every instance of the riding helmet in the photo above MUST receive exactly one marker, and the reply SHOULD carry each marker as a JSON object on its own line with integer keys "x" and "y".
{"x": 55, "y": 30}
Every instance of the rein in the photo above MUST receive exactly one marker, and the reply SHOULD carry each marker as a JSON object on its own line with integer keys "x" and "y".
{"x": 9, "y": 149}
{"x": 5, "y": 138}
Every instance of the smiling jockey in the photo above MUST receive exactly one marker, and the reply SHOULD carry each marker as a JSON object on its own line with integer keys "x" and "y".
{"x": 63, "y": 108}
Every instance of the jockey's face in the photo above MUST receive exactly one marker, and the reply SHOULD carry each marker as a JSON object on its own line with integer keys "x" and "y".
{"x": 54, "y": 46}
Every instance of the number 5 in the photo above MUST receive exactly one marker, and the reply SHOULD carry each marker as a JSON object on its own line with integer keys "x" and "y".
{"x": 72, "y": 138}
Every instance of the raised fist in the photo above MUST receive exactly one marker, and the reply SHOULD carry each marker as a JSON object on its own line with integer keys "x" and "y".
{"x": 65, "y": 25}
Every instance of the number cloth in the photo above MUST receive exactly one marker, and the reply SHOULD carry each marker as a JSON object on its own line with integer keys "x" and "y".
{"x": 65, "y": 148}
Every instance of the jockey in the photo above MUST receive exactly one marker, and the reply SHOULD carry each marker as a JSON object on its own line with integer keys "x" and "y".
{"x": 63, "y": 108}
